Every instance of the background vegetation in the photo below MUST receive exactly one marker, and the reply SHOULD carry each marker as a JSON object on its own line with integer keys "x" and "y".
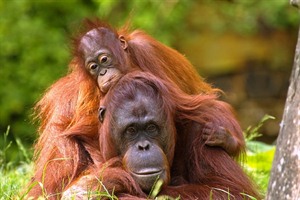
{"x": 35, "y": 39}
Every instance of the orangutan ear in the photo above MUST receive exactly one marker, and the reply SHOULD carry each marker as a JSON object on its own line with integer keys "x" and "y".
{"x": 124, "y": 43}
{"x": 101, "y": 113}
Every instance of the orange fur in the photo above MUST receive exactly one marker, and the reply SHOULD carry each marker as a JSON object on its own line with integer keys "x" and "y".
{"x": 197, "y": 170}
{"x": 68, "y": 134}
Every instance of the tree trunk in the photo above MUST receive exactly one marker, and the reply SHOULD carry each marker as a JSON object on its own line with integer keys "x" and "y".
{"x": 285, "y": 175}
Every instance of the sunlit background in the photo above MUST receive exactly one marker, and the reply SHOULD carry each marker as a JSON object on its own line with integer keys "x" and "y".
{"x": 244, "y": 47}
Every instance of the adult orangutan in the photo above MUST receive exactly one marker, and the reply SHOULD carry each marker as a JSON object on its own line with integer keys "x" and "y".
{"x": 68, "y": 110}
{"x": 151, "y": 130}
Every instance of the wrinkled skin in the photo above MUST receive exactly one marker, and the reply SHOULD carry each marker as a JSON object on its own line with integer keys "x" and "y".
{"x": 141, "y": 138}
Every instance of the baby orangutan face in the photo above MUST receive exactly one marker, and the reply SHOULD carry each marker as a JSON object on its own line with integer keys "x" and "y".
{"x": 103, "y": 53}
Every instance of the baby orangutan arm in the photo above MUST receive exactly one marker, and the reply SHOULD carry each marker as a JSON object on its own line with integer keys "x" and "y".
{"x": 221, "y": 138}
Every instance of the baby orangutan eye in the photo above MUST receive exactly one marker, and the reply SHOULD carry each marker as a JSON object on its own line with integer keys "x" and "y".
{"x": 93, "y": 67}
{"x": 105, "y": 60}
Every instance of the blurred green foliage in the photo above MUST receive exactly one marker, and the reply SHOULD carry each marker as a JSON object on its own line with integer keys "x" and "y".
{"x": 260, "y": 156}
{"x": 250, "y": 16}
{"x": 34, "y": 39}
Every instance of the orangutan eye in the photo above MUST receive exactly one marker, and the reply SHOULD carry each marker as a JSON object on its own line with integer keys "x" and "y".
{"x": 151, "y": 128}
{"x": 131, "y": 131}
{"x": 93, "y": 67}
{"x": 105, "y": 60}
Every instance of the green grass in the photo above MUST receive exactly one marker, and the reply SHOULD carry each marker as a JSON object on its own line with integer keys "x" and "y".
{"x": 14, "y": 176}
{"x": 258, "y": 162}
{"x": 13, "y": 180}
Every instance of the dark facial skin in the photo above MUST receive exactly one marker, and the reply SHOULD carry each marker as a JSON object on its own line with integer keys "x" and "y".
{"x": 96, "y": 47}
{"x": 142, "y": 140}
